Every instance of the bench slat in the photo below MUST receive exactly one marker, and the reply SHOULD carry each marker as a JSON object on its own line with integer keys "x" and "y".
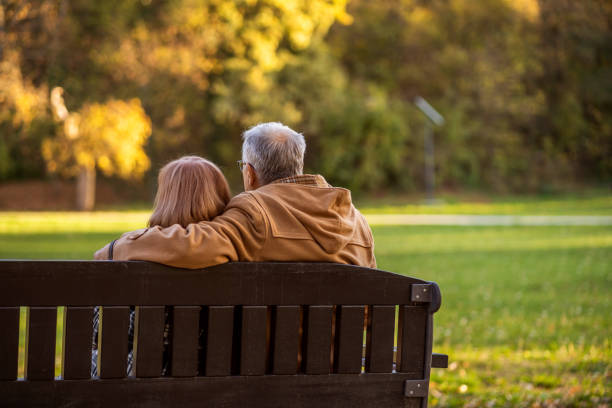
{"x": 91, "y": 283}
{"x": 149, "y": 340}
{"x": 380, "y": 336}
{"x": 253, "y": 342}
{"x": 113, "y": 341}
{"x": 295, "y": 391}
{"x": 318, "y": 339}
{"x": 77, "y": 342}
{"x": 286, "y": 339}
{"x": 219, "y": 335}
{"x": 9, "y": 342}
{"x": 411, "y": 338}
{"x": 185, "y": 339}
{"x": 41, "y": 343}
{"x": 349, "y": 339}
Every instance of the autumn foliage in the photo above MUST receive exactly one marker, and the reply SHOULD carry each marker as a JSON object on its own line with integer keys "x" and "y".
{"x": 524, "y": 86}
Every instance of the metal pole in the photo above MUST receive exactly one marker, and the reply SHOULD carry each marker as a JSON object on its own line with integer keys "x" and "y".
{"x": 429, "y": 163}
{"x": 428, "y": 145}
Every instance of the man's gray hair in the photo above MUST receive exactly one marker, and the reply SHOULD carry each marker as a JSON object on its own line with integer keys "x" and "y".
{"x": 274, "y": 150}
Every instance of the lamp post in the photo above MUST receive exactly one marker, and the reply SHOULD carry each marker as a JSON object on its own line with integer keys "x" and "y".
{"x": 428, "y": 142}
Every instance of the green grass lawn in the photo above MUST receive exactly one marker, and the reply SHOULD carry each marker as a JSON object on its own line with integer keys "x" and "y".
{"x": 590, "y": 203}
{"x": 526, "y": 314}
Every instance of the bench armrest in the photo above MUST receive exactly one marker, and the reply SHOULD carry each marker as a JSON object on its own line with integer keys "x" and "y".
{"x": 439, "y": 360}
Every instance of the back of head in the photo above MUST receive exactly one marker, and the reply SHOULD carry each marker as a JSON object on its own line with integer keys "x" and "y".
{"x": 190, "y": 189}
{"x": 274, "y": 150}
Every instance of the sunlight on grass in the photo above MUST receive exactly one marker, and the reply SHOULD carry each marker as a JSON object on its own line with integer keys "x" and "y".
{"x": 598, "y": 205}
{"x": 570, "y": 376}
{"x": 21, "y": 356}
{"x": 71, "y": 222}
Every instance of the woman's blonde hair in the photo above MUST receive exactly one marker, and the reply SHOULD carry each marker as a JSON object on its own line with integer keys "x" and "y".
{"x": 190, "y": 189}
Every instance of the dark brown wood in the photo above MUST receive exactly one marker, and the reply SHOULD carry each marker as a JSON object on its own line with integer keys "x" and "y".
{"x": 427, "y": 352}
{"x": 411, "y": 338}
{"x": 149, "y": 340}
{"x": 421, "y": 293}
{"x": 185, "y": 339}
{"x": 41, "y": 343}
{"x": 241, "y": 340}
{"x": 113, "y": 341}
{"x": 439, "y": 360}
{"x": 416, "y": 388}
{"x": 318, "y": 339}
{"x": 349, "y": 339}
{"x": 91, "y": 283}
{"x": 253, "y": 341}
{"x": 381, "y": 331}
{"x": 285, "y": 339}
{"x": 219, "y": 338}
{"x": 77, "y": 342}
{"x": 9, "y": 342}
{"x": 295, "y": 391}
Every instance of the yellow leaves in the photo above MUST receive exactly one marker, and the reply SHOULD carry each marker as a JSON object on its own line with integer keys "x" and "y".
{"x": 229, "y": 12}
{"x": 420, "y": 16}
{"x": 528, "y": 8}
{"x": 110, "y": 135}
{"x": 196, "y": 42}
{"x": 19, "y": 95}
{"x": 340, "y": 12}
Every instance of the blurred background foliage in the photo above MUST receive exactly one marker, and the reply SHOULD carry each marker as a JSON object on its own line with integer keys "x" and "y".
{"x": 525, "y": 86}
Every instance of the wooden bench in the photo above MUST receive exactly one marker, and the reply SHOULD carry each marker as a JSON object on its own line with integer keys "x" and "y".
{"x": 241, "y": 335}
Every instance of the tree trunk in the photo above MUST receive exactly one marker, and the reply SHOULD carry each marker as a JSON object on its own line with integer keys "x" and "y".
{"x": 86, "y": 189}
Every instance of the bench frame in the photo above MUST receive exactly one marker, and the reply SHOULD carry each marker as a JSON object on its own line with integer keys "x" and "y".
{"x": 258, "y": 320}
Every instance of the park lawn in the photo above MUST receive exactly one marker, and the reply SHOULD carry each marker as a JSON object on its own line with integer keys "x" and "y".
{"x": 590, "y": 203}
{"x": 525, "y": 314}
{"x": 526, "y": 310}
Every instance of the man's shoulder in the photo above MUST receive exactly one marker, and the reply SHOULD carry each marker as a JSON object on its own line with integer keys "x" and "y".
{"x": 244, "y": 201}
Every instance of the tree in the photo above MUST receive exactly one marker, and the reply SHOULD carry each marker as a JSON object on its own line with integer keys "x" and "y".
{"x": 109, "y": 136}
{"x": 524, "y": 84}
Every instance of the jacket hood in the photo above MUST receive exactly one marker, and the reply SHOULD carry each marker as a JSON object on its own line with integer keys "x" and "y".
{"x": 323, "y": 212}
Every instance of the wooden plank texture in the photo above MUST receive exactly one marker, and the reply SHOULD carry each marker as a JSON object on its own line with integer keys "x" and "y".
{"x": 91, "y": 283}
{"x": 253, "y": 342}
{"x": 219, "y": 334}
{"x": 349, "y": 339}
{"x": 113, "y": 341}
{"x": 439, "y": 360}
{"x": 295, "y": 391}
{"x": 318, "y": 339}
{"x": 77, "y": 342}
{"x": 41, "y": 343}
{"x": 9, "y": 342}
{"x": 185, "y": 340}
{"x": 411, "y": 339}
{"x": 234, "y": 343}
{"x": 285, "y": 339}
{"x": 379, "y": 344}
{"x": 149, "y": 340}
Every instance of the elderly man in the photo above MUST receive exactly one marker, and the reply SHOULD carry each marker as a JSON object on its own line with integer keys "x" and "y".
{"x": 283, "y": 215}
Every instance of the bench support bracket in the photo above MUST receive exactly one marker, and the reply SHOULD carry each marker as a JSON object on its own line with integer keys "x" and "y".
{"x": 416, "y": 388}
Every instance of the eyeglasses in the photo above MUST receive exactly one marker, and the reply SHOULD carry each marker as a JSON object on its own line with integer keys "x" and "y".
{"x": 241, "y": 164}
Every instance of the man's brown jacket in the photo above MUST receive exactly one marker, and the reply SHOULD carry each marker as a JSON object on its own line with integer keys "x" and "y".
{"x": 281, "y": 221}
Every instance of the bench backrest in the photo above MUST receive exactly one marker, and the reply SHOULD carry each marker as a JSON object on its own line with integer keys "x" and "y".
{"x": 241, "y": 334}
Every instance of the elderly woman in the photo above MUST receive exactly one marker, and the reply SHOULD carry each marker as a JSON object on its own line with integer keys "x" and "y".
{"x": 190, "y": 189}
